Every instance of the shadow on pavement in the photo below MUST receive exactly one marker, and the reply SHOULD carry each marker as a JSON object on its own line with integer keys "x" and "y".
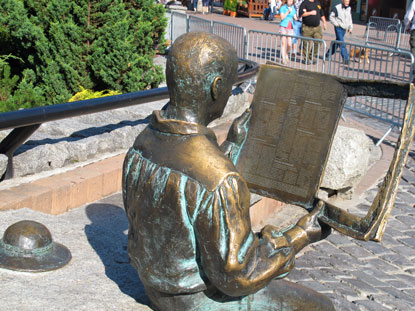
{"x": 107, "y": 235}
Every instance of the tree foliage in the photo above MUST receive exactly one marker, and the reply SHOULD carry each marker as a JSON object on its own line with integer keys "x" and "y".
{"x": 56, "y": 46}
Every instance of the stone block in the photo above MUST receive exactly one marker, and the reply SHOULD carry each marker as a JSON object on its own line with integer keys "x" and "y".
{"x": 12, "y": 199}
{"x": 59, "y": 194}
{"x": 348, "y": 161}
{"x": 3, "y": 164}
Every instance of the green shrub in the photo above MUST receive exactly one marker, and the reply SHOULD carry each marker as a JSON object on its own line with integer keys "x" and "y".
{"x": 15, "y": 94}
{"x": 97, "y": 44}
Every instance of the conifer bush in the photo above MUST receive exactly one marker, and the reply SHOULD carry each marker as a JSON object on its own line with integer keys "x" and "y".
{"x": 55, "y": 46}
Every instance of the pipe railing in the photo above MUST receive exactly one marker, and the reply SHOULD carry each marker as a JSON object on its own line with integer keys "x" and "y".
{"x": 25, "y": 122}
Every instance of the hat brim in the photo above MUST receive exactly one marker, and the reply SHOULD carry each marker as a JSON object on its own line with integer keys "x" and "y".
{"x": 58, "y": 256}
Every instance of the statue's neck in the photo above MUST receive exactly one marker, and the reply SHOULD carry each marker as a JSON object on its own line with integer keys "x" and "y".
{"x": 189, "y": 115}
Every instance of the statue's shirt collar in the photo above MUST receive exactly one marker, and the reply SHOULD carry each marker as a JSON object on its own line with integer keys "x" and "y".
{"x": 179, "y": 127}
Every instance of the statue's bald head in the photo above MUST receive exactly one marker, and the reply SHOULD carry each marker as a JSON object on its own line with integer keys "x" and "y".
{"x": 200, "y": 71}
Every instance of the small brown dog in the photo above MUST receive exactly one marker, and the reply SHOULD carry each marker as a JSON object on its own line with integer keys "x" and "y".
{"x": 363, "y": 54}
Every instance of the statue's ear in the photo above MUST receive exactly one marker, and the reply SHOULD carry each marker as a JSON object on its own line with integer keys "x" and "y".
{"x": 215, "y": 87}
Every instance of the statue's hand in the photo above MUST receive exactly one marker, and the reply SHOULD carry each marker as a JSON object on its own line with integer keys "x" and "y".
{"x": 239, "y": 129}
{"x": 312, "y": 226}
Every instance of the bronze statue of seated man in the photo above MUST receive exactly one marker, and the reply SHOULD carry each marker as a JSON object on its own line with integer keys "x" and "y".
{"x": 190, "y": 235}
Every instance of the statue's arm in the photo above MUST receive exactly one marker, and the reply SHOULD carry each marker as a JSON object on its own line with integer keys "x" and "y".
{"x": 236, "y": 260}
{"x": 236, "y": 137}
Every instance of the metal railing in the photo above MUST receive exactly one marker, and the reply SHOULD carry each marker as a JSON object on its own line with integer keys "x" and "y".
{"x": 233, "y": 33}
{"x": 404, "y": 37}
{"x": 262, "y": 47}
{"x": 383, "y": 31}
{"x": 379, "y": 63}
{"x": 199, "y": 24}
{"x": 373, "y": 63}
{"x": 25, "y": 122}
{"x": 179, "y": 25}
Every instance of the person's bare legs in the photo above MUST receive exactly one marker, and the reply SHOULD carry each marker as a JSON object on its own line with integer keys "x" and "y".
{"x": 288, "y": 48}
{"x": 284, "y": 50}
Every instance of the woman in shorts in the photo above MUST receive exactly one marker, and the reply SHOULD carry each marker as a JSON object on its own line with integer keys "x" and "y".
{"x": 287, "y": 14}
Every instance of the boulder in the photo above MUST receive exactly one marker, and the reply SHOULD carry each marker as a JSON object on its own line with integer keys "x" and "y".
{"x": 3, "y": 164}
{"x": 237, "y": 104}
{"x": 349, "y": 159}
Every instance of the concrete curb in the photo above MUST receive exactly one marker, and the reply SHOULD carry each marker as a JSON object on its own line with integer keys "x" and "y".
{"x": 59, "y": 193}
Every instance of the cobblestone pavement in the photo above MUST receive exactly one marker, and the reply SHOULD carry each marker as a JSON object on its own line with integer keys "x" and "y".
{"x": 359, "y": 275}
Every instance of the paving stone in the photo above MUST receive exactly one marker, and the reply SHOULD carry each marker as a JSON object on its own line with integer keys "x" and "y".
{"x": 398, "y": 225}
{"x": 404, "y": 251}
{"x": 410, "y": 233}
{"x": 409, "y": 177}
{"x": 370, "y": 305}
{"x": 396, "y": 233}
{"x": 408, "y": 220}
{"x": 403, "y": 208}
{"x": 390, "y": 241}
{"x": 357, "y": 251}
{"x": 394, "y": 303}
{"x": 342, "y": 304}
{"x": 399, "y": 294}
{"x": 322, "y": 276}
{"x": 311, "y": 260}
{"x": 410, "y": 271}
{"x": 299, "y": 275}
{"x": 400, "y": 284}
{"x": 379, "y": 274}
{"x": 317, "y": 286}
{"x": 343, "y": 289}
{"x": 374, "y": 247}
{"x": 339, "y": 239}
{"x": 361, "y": 286}
{"x": 381, "y": 265}
{"x": 341, "y": 262}
{"x": 397, "y": 260}
{"x": 325, "y": 247}
{"x": 409, "y": 279}
{"x": 405, "y": 197}
{"x": 410, "y": 292}
{"x": 369, "y": 279}
{"x": 408, "y": 241}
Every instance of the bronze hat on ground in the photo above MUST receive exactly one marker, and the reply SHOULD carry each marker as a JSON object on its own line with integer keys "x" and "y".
{"x": 28, "y": 246}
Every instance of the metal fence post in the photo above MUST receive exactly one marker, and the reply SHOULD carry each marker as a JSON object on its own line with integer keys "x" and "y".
{"x": 171, "y": 26}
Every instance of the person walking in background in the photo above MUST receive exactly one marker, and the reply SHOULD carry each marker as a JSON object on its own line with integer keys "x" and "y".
{"x": 205, "y": 7}
{"x": 341, "y": 18}
{"x": 298, "y": 22}
{"x": 311, "y": 12}
{"x": 410, "y": 26}
{"x": 287, "y": 14}
{"x": 271, "y": 10}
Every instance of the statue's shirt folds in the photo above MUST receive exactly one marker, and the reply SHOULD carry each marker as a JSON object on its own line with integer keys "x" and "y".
{"x": 188, "y": 210}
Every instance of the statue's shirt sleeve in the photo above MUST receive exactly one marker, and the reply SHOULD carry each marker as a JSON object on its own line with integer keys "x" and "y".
{"x": 235, "y": 259}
